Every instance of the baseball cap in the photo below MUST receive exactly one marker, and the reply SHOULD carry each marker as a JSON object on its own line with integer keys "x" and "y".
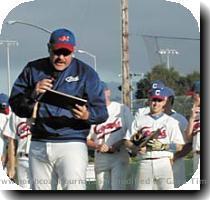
{"x": 159, "y": 93}
{"x": 62, "y": 39}
{"x": 170, "y": 92}
{"x": 195, "y": 88}
{"x": 4, "y": 100}
{"x": 157, "y": 84}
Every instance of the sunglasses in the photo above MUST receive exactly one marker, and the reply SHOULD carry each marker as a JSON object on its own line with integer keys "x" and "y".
{"x": 63, "y": 52}
{"x": 156, "y": 100}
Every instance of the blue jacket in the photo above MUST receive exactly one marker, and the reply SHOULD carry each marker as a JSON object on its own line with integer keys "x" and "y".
{"x": 55, "y": 123}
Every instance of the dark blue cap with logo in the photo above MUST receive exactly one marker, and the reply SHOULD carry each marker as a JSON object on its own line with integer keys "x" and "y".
{"x": 157, "y": 84}
{"x": 62, "y": 39}
{"x": 160, "y": 93}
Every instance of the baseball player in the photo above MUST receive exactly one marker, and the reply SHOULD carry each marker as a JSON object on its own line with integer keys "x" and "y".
{"x": 111, "y": 157}
{"x": 178, "y": 160}
{"x": 193, "y": 129}
{"x": 155, "y": 170}
{"x": 58, "y": 149}
{"x": 4, "y": 120}
{"x": 20, "y": 136}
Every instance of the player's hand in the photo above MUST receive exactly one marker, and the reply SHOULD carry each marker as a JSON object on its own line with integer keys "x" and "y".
{"x": 81, "y": 112}
{"x": 43, "y": 85}
{"x": 104, "y": 148}
{"x": 155, "y": 145}
{"x": 142, "y": 150}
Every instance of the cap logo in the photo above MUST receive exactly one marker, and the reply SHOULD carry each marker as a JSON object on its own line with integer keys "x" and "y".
{"x": 154, "y": 85}
{"x": 64, "y": 38}
{"x": 157, "y": 92}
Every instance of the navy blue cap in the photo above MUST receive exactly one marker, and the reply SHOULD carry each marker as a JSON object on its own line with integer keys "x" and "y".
{"x": 62, "y": 39}
{"x": 160, "y": 93}
{"x": 4, "y": 100}
{"x": 170, "y": 92}
{"x": 157, "y": 84}
{"x": 195, "y": 88}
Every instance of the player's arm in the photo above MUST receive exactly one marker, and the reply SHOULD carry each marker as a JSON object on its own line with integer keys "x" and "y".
{"x": 96, "y": 100}
{"x": 23, "y": 95}
{"x": 185, "y": 150}
{"x": 11, "y": 163}
{"x": 189, "y": 130}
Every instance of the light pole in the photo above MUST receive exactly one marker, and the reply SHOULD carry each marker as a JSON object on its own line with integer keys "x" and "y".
{"x": 8, "y": 43}
{"x": 168, "y": 52}
{"x": 89, "y": 54}
{"x": 12, "y": 22}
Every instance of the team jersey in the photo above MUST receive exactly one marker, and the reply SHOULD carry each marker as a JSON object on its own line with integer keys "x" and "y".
{"x": 116, "y": 126}
{"x": 55, "y": 123}
{"x": 169, "y": 132}
{"x": 20, "y": 131}
{"x": 196, "y": 133}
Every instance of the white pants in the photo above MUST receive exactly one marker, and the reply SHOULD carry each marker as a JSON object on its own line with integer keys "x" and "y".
{"x": 23, "y": 173}
{"x": 66, "y": 161}
{"x": 155, "y": 174}
{"x": 111, "y": 170}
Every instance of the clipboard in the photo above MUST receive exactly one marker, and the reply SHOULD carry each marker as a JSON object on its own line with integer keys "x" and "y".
{"x": 61, "y": 99}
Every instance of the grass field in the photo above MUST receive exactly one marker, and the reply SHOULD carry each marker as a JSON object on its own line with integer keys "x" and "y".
{"x": 132, "y": 171}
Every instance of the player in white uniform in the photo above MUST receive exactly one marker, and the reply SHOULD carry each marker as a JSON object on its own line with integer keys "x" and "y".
{"x": 193, "y": 129}
{"x": 21, "y": 136}
{"x": 155, "y": 170}
{"x": 4, "y": 120}
{"x": 111, "y": 156}
{"x": 178, "y": 160}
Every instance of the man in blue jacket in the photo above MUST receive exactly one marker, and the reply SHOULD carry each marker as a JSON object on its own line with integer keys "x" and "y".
{"x": 58, "y": 149}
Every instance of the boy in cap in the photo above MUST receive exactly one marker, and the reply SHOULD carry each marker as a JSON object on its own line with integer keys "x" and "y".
{"x": 58, "y": 145}
{"x": 155, "y": 170}
{"x": 111, "y": 156}
{"x": 193, "y": 129}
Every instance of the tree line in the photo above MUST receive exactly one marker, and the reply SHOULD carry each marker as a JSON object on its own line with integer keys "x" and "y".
{"x": 172, "y": 78}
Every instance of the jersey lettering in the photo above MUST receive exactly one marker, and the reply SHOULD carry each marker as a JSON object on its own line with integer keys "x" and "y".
{"x": 110, "y": 127}
{"x": 23, "y": 130}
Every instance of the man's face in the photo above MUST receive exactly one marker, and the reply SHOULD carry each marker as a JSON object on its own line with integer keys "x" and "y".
{"x": 60, "y": 58}
{"x": 157, "y": 105}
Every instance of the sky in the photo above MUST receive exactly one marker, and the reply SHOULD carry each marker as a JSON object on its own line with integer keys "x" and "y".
{"x": 97, "y": 27}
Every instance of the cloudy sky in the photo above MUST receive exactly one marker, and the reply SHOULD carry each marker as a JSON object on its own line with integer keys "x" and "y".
{"x": 97, "y": 26}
